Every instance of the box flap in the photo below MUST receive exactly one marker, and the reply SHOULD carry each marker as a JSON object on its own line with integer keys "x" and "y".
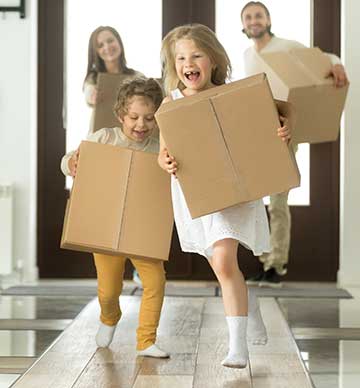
{"x": 91, "y": 224}
{"x": 300, "y": 67}
{"x": 315, "y": 62}
{"x": 289, "y": 70}
{"x": 323, "y": 107}
{"x": 148, "y": 198}
{"x": 187, "y": 130}
{"x": 190, "y": 100}
{"x": 254, "y": 147}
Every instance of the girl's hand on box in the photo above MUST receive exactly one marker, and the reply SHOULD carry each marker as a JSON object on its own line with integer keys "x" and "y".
{"x": 167, "y": 162}
{"x": 284, "y": 131}
{"x": 73, "y": 162}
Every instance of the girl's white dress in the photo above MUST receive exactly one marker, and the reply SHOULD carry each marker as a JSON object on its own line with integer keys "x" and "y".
{"x": 246, "y": 222}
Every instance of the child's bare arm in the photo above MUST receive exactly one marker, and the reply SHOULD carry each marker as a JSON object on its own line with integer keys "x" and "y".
{"x": 165, "y": 160}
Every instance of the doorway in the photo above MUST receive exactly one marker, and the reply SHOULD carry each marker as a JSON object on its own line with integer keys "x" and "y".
{"x": 315, "y": 241}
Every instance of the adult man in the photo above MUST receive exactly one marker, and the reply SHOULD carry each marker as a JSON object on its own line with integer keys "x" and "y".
{"x": 256, "y": 21}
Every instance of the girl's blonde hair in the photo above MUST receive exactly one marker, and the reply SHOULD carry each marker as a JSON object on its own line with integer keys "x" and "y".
{"x": 148, "y": 88}
{"x": 206, "y": 40}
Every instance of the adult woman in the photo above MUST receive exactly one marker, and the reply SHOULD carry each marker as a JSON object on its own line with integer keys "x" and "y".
{"x": 106, "y": 54}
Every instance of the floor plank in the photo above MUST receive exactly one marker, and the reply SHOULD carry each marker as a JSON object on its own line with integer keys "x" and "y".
{"x": 278, "y": 363}
{"x": 177, "y": 364}
{"x": 61, "y": 365}
{"x": 13, "y": 365}
{"x": 192, "y": 329}
{"x": 34, "y": 324}
{"x": 101, "y": 372}
{"x": 213, "y": 347}
{"x": 164, "y": 382}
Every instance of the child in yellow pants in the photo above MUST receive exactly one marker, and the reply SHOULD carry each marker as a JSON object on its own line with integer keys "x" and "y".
{"x": 137, "y": 102}
{"x": 110, "y": 272}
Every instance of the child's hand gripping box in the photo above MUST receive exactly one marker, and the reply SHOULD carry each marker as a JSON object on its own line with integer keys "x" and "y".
{"x": 120, "y": 203}
{"x": 225, "y": 142}
{"x": 300, "y": 77}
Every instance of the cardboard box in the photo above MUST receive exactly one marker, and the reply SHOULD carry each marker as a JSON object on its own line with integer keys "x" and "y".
{"x": 298, "y": 77}
{"x": 103, "y": 115}
{"x": 225, "y": 142}
{"x": 120, "y": 203}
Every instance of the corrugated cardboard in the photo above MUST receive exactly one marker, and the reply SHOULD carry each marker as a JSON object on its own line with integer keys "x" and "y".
{"x": 120, "y": 203}
{"x": 225, "y": 142}
{"x": 299, "y": 77}
{"x": 108, "y": 85}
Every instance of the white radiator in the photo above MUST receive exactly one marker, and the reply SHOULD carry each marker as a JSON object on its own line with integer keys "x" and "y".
{"x": 6, "y": 229}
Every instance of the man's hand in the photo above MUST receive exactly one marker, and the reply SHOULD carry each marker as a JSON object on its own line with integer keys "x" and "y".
{"x": 339, "y": 75}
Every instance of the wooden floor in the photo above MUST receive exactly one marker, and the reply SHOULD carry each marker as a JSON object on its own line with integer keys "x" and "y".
{"x": 192, "y": 329}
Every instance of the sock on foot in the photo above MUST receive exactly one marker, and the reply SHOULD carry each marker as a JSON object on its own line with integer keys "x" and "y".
{"x": 104, "y": 335}
{"x": 238, "y": 351}
{"x": 256, "y": 330}
{"x": 153, "y": 351}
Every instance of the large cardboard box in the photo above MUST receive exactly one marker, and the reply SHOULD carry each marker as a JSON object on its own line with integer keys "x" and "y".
{"x": 120, "y": 203}
{"x": 225, "y": 142}
{"x": 299, "y": 77}
{"x": 103, "y": 115}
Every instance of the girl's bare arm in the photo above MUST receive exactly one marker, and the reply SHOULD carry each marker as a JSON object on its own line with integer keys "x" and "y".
{"x": 166, "y": 161}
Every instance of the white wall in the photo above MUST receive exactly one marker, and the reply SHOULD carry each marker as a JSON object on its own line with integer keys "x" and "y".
{"x": 18, "y": 128}
{"x": 349, "y": 273}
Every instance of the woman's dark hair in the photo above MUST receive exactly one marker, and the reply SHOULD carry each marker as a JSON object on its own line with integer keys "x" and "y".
{"x": 95, "y": 63}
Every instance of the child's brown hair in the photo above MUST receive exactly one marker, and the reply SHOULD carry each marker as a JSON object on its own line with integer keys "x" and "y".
{"x": 148, "y": 88}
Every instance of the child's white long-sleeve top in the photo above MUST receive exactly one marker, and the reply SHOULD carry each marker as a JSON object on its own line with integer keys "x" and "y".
{"x": 275, "y": 44}
{"x": 114, "y": 136}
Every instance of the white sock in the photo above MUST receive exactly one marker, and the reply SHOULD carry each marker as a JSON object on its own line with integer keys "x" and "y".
{"x": 104, "y": 335}
{"x": 153, "y": 351}
{"x": 238, "y": 351}
{"x": 256, "y": 330}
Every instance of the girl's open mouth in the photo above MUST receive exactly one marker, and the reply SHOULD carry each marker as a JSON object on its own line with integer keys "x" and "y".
{"x": 192, "y": 75}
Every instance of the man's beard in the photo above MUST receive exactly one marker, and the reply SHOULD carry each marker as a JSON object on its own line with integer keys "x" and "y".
{"x": 258, "y": 35}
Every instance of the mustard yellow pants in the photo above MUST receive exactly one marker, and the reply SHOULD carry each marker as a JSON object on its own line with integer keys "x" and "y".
{"x": 110, "y": 273}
